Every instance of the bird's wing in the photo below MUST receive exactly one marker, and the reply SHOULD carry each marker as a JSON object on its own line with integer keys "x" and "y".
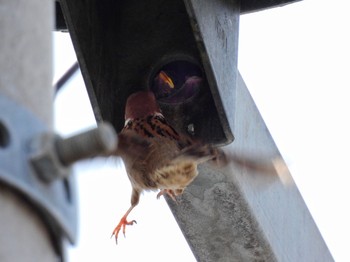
{"x": 200, "y": 153}
{"x": 131, "y": 144}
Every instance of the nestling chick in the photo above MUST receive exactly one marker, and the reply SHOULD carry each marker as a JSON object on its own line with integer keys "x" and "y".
{"x": 155, "y": 155}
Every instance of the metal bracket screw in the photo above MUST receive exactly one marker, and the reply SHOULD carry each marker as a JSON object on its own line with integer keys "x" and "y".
{"x": 53, "y": 154}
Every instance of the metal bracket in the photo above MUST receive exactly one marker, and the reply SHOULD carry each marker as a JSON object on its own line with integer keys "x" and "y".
{"x": 56, "y": 201}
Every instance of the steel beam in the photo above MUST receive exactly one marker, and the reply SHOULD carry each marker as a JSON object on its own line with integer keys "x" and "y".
{"x": 122, "y": 45}
{"x": 247, "y": 6}
{"x": 239, "y": 215}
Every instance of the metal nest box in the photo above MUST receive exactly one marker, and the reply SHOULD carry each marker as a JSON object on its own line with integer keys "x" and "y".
{"x": 122, "y": 46}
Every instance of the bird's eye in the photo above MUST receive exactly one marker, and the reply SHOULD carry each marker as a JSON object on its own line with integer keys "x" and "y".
{"x": 177, "y": 82}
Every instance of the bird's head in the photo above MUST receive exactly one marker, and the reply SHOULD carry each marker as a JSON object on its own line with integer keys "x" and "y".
{"x": 141, "y": 104}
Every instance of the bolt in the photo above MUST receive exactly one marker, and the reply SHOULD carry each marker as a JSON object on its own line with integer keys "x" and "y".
{"x": 52, "y": 154}
{"x": 98, "y": 141}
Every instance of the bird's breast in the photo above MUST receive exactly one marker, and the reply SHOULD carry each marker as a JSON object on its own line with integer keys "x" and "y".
{"x": 175, "y": 177}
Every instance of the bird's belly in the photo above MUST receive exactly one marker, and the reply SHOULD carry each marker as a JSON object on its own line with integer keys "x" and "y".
{"x": 176, "y": 177}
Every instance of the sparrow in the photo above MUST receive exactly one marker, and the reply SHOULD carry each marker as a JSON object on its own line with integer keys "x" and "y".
{"x": 155, "y": 155}
{"x": 158, "y": 157}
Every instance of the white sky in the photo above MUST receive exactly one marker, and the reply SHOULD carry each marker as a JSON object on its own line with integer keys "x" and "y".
{"x": 295, "y": 62}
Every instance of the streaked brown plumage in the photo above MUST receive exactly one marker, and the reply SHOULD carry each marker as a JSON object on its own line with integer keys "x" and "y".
{"x": 155, "y": 155}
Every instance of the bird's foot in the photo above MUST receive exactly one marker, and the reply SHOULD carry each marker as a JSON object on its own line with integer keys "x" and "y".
{"x": 122, "y": 224}
{"x": 169, "y": 192}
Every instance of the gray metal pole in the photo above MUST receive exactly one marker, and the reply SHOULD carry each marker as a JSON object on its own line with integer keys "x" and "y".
{"x": 26, "y": 80}
{"x": 26, "y": 55}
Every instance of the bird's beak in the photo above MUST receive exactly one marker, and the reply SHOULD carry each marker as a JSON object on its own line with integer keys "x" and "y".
{"x": 166, "y": 79}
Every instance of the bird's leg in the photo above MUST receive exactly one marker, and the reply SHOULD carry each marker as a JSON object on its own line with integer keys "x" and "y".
{"x": 122, "y": 223}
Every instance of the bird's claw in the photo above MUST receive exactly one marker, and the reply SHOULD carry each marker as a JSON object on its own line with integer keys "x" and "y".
{"x": 169, "y": 192}
{"x": 122, "y": 224}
